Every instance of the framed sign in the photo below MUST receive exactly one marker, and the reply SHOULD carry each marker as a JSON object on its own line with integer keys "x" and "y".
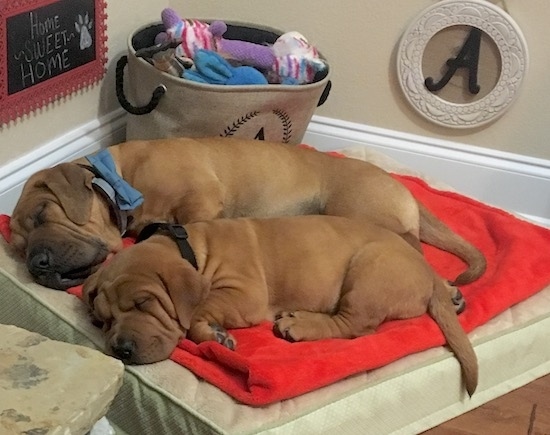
{"x": 461, "y": 63}
{"x": 48, "y": 50}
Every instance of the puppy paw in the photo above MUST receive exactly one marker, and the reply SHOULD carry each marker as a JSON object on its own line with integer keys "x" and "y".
{"x": 287, "y": 326}
{"x": 458, "y": 301}
{"x": 223, "y": 337}
{"x": 202, "y": 331}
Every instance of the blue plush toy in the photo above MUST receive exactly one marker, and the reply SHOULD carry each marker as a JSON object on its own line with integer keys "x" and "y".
{"x": 213, "y": 69}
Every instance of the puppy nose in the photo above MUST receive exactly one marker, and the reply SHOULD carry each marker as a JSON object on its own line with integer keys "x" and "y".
{"x": 39, "y": 261}
{"x": 124, "y": 349}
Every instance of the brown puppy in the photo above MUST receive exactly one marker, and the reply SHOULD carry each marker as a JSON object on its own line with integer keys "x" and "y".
{"x": 315, "y": 276}
{"x": 65, "y": 228}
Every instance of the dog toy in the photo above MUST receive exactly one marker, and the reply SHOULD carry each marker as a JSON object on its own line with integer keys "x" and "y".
{"x": 291, "y": 60}
{"x": 212, "y": 68}
{"x": 247, "y": 53}
{"x": 296, "y": 60}
{"x": 196, "y": 35}
{"x": 193, "y": 34}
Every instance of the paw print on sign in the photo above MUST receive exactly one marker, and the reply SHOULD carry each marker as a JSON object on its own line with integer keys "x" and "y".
{"x": 83, "y": 26}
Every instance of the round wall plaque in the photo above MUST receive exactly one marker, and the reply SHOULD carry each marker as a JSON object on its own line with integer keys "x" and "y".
{"x": 482, "y": 92}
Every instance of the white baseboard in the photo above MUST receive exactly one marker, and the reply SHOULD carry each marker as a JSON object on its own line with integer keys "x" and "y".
{"x": 513, "y": 182}
{"x": 79, "y": 142}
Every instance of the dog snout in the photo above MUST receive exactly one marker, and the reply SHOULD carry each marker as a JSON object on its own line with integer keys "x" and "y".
{"x": 124, "y": 349}
{"x": 39, "y": 261}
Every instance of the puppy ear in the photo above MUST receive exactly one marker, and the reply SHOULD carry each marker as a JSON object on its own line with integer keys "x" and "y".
{"x": 89, "y": 295}
{"x": 187, "y": 289}
{"x": 90, "y": 290}
{"x": 68, "y": 182}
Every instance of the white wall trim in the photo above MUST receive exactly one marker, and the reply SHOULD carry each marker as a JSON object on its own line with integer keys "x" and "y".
{"x": 511, "y": 181}
{"x": 83, "y": 140}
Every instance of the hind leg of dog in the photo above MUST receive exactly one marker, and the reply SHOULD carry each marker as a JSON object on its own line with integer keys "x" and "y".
{"x": 392, "y": 283}
{"x": 371, "y": 293}
{"x": 308, "y": 326}
{"x": 377, "y": 198}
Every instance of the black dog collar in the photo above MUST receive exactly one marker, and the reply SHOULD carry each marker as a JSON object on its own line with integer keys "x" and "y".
{"x": 177, "y": 232}
{"x": 108, "y": 193}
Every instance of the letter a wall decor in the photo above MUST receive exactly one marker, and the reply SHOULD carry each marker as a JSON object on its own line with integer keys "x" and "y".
{"x": 461, "y": 63}
{"x": 48, "y": 50}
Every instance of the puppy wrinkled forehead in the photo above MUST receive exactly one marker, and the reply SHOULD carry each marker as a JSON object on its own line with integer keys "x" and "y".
{"x": 118, "y": 288}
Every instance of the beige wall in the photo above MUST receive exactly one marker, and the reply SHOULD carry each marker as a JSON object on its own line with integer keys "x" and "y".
{"x": 360, "y": 39}
{"x": 22, "y": 136}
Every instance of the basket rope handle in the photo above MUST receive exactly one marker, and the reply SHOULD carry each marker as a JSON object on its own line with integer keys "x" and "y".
{"x": 325, "y": 93}
{"x": 126, "y": 105}
{"x": 161, "y": 90}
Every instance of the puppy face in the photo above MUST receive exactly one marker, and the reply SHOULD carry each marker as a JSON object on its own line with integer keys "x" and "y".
{"x": 61, "y": 227}
{"x": 136, "y": 299}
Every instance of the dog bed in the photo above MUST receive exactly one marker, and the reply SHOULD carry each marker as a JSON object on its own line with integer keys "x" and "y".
{"x": 395, "y": 394}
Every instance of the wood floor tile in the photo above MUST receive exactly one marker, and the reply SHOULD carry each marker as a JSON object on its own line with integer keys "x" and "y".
{"x": 525, "y": 411}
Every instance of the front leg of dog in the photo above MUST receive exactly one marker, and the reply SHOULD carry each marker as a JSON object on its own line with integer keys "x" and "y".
{"x": 205, "y": 203}
{"x": 307, "y": 326}
{"x": 203, "y": 330}
{"x": 231, "y": 307}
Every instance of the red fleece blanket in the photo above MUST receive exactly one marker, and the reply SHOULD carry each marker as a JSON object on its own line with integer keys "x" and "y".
{"x": 265, "y": 369}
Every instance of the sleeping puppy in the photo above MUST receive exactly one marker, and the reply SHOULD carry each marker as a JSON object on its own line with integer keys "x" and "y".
{"x": 316, "y": 277}
{"x": 70, "y": 217}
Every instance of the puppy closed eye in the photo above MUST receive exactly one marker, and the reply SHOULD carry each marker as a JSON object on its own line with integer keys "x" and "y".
{"x": 141, "y": 303}
{"x": 106, "y": 325}
{"x": 92, "y": 294}
{"x": 97, "y": 322}
{"x": 39, "y": 217}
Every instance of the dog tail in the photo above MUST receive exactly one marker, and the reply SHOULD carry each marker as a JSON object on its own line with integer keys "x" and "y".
{"x": 442, "y": 310}
{"x": 434, "y": 232}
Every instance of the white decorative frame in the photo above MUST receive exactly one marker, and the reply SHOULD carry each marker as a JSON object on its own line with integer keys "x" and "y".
{"x": 485, "y": 16}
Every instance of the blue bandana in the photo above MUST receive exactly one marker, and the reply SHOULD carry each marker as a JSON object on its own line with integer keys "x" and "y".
{"x": 126, "y": 197}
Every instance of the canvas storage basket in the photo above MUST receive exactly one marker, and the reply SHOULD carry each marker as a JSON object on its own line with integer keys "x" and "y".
{"x": 161, "y": 105}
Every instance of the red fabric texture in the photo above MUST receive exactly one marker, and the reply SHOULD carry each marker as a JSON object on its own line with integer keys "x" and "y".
{"x": 264, "y": 369}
